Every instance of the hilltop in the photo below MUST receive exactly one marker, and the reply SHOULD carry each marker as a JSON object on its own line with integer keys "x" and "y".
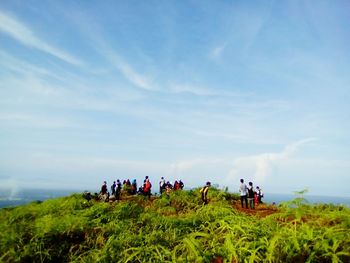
{"x": 174, "y": 228}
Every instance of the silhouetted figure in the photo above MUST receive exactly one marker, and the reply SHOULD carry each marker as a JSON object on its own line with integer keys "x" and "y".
{"x": 113, "y": 188}
{"x": 118, "y": 190}
{"x": 181, "y": 185}
{"x": 104, "y": 188}
{"x": 134, "y": 187}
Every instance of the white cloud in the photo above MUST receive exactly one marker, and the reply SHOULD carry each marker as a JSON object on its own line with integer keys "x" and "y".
{"x": 19, "y": 31}
{"x": 259, "y": 167}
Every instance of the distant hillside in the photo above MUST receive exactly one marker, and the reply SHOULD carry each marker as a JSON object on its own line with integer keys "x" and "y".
{"x": 174, "y": 228}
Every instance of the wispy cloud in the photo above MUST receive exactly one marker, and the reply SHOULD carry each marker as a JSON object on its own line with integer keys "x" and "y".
{"x": 103, "y": 47}
{"x": 22, "y": 67}
{"x": 139, "y": 80}
{"x": 22, "y": 33}
{"x": 217, "y": 52}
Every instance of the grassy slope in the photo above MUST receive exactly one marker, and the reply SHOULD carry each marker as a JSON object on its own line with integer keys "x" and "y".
{"x": 177, "y": 229}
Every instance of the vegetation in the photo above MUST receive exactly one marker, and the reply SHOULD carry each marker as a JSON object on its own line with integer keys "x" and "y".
{"x": 175, "y": 228}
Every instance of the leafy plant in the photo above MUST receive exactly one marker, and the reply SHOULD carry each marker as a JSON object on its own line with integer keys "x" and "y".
{"x": 173, "y": 228}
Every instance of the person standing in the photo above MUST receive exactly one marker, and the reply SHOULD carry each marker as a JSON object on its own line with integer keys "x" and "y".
{"x": 104, "y": 194}
{"x": 104, "y": 188}
{"x": 181, "y": 185}
{"x": 251, "y": 195}
{"x": 134, "y": 187}
{"x": 118, "y": 190}
{"x": 113, "y": 188}
{"x": 260, "y": 194}
{"x": 161, "y": 185}
{"x": 147, "y": 188}
{"x": 204, "y": 192}
{"x": 243, "y": 192}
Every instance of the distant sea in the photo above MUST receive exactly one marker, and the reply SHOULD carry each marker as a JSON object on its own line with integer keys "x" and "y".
{"x": 312, "y": 199}
{"x": 25, "y": 196}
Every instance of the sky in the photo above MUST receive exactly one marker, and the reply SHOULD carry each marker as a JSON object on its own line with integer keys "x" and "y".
{"x": 192, "y": 90}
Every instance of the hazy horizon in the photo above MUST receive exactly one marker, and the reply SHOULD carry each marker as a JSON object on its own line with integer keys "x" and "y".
{"x": 193, "y": 90}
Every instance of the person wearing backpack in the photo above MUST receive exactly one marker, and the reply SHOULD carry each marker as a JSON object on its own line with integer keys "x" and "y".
{"x": 147, "y": 188}
{"x": 204, "y": 192}
{"x": 251, "y": 195}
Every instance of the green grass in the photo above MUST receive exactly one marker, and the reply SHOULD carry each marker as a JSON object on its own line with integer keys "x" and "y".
{"x": 174, "y": 228}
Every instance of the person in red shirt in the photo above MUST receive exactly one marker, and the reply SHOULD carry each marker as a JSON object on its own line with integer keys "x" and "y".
{"x": 147, "y": 188}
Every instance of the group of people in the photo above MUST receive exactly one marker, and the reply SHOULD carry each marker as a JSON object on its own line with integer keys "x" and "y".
{"x": 130, "y": 188}
{"x": 127, "y": 187}
{"x": 167, "y": 187}
{"x": 250, "y": 195}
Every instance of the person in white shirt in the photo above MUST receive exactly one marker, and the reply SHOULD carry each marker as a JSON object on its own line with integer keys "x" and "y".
{"x": 243, "y": 189}
{"x": 161, "y": 185}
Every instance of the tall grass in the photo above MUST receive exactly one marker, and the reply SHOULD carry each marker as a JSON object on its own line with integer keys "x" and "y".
{"x": 172, "y": 228}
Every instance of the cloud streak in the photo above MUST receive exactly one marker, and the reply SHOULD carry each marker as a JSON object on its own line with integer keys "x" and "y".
{"x": 22, "y": 33}
{"x": 103, "y": 48}
{"x": 134, "y": 77}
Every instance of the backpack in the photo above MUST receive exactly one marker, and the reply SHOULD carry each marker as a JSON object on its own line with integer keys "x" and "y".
{"x": 147, "y": 187}
{"x": 250, "y": 192}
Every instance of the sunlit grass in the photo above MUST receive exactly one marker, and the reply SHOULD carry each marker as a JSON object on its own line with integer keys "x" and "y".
{"x": 172, "y": 228}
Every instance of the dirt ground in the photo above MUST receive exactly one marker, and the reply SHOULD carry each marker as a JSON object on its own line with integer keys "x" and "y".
{"x": 261, "y": 210}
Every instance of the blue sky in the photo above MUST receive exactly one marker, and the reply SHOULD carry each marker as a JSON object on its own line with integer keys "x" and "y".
{"x": 191, "y": 90}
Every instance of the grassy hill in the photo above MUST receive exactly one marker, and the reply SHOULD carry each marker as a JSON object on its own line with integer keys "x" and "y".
{"x": 175, "y": 228}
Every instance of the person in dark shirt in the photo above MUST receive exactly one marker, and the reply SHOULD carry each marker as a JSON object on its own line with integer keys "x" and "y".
{"x": 251, "y": 195}
{"x": 113, "y": 188}
{"x": 118, "y": 190}
{"x": 104, "y": 188}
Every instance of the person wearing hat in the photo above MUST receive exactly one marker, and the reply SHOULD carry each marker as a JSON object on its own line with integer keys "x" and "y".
{"x": 204, "y": 192}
